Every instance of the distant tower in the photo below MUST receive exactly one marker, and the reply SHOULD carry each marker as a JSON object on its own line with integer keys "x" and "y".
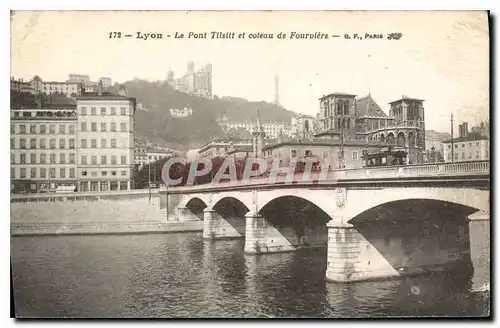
{"x": 190, "y": 66}
{"x": 258, "y": 138}
{"x": 122, "y": 91}
{"x": 277, "y": 90}
{"x": 170, "y": 76}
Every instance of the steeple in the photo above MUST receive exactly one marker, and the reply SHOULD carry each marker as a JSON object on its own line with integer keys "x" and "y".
{"x": 258, "y": 138}
{"x": 259, "y": 124}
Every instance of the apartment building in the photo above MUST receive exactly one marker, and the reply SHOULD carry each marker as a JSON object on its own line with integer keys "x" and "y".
{"x": 43, "y": 148}
{"x": 105, "y": 141}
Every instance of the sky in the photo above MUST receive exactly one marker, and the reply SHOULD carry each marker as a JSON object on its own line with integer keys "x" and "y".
{"x": 442, "y": 57}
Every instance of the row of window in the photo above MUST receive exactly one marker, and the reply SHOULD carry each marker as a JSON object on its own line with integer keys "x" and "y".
{"x": 43, "y": 129}
{"x": 42, "y": 159}
{"x": 64, "y": 173}
{"x": 155, "y": 157}
{"x": 42, "y": 144}
{"x": 104, "y": 160}
{"x": 326, "y": 154}
{"x": 103, "y": 173}
{"x": 60, "y": 87}
{"x": 463, "y": 145}
{"x": 103, "y": 111}
{"x": 42, "y": 173}
{"x": 103, "y": 144}
{"x": 52, "y": 159}
{"x": 462, "y": 156}
{"x": 93, "y": 127}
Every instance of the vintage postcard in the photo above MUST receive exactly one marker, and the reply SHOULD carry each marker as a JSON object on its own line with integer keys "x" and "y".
{"x": 265, "y": 164}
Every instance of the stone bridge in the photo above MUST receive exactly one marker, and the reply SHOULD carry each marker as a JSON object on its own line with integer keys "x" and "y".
{"x": 376, "y": 222}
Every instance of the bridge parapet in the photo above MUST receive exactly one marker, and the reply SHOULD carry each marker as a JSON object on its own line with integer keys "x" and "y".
{"x": 454, "y": 169}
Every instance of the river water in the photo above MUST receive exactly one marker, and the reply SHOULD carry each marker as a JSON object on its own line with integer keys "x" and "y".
{"x": 180, "y": 275}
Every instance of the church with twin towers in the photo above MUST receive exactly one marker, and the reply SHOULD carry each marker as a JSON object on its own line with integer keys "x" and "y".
{"x": 194, "y": 82}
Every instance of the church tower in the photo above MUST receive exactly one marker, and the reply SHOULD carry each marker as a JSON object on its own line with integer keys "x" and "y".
{"x": 258, "y": 138}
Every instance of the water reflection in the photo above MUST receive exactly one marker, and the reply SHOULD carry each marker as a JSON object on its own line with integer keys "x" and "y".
{"x": 180, "y": 275}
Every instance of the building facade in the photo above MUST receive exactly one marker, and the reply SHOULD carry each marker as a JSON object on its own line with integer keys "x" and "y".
{"x": 43, "y": 148}
{"x": 181, "y": 112}
{"x": 20, "y": 85}
{"x": 273, "y": 130}
{"x": 467, "y": 147}
{"x": 221, "y": 147}
{"x": 197, "y": 83}
{"x": 80, "y": 78}
{"x": 106, "y": 82}
{"x": 329, "y": 151}
{"x": 70, "y": 89}
{"x": 105, "y": 141}
{"x": 144, "y": 156}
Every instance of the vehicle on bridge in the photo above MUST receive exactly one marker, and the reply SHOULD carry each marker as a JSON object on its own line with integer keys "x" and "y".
{"x": 390, "y": 156}
{"x": 302, "y": 162}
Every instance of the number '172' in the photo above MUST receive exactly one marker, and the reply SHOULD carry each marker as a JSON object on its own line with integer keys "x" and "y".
{"x": 115, "y": 35}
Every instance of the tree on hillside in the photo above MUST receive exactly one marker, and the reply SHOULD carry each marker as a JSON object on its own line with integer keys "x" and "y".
{"x": 27, "y": 99}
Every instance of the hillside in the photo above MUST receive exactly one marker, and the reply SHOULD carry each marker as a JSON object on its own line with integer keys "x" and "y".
{"x": 158, "y": 125}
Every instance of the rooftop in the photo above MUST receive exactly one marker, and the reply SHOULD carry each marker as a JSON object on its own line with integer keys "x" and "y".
{"x": 243, "y": 149}
{"x": 324, "y": 142}
{"x": 366, "y": 106}
{"x": 472, "y": 136}
{"x": 103, "y": 95}
{"x": 219, "y": 142}
{"x": 338, "y": 94}
{"x": 48, "y": 106}
{"x": 403, "y": 98}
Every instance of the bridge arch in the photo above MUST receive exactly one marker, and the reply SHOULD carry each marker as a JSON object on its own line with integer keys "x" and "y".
{"x": 419, "y": 208}
{"x": 474, "y": 199}
{"x": 196, "y": 206}
{"x": 226, "y": 206}
{"x": 194, "y": 199}
{"x": 296, "y": 221}
{"x": 324, "y": 201}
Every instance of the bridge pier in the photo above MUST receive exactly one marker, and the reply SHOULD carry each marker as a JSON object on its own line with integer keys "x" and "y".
{"x": 344, "y": 252}
{"x": 217, "y": 227}
{"x": 479, "y": 232}
{"x": 261, "y": 237}
{"x": 385, "y": 250}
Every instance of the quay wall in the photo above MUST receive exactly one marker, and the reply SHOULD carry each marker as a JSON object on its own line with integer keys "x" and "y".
{"x": 134, "y": 211}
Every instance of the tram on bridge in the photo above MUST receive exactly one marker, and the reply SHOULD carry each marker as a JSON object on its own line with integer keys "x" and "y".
{"x": 389, "y": 156}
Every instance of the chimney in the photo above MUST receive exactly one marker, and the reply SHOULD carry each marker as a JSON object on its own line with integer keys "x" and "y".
{"x": 466, "y": 129}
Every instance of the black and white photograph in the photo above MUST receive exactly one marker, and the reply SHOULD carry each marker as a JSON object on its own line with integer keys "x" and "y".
{"x": 250, "y": 164}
